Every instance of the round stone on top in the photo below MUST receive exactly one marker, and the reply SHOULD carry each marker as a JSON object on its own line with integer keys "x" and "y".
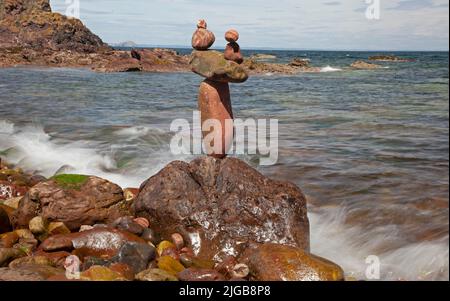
{"x": 202, "y": 39}
{"x": 232, "y": 35}
{"x": 201, "y": 24}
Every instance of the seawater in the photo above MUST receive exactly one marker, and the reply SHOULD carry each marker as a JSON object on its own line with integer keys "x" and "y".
{"x": 370, "y": 149}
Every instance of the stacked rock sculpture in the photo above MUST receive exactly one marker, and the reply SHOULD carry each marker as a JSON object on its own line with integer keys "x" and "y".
{"x": 214, "y": 101}
{"x": 233, "y": 51}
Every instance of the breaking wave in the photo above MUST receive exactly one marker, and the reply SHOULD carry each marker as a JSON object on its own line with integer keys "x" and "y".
{"x": 329, "y": 69}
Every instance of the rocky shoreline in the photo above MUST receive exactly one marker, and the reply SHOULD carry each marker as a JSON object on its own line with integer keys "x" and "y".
{"x": 32, "y": 35}
{"x": 207, "y": 220}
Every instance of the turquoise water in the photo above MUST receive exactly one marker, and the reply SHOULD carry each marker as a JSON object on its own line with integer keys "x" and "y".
{"x": 369, "y": 148}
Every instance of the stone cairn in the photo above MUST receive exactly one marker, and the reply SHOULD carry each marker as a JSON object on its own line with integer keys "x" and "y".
{"x": 214, "y": 101}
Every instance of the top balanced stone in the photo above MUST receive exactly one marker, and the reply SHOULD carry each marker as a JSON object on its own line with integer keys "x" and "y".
{"x": 202, "y": 39}
{"x": 219, "y": 69}
{"x": 214, "y": 65}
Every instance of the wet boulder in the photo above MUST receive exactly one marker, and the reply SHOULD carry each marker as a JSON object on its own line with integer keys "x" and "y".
{"x": 75, "y": 200}
{"x": 105, "y": 247}
{"x": 135, "y": 255}
{"x": 219, "y": 205}
{"x": 101, "y": 273}
{"x": 271, "y": 262}
{"x": 98, "y": 242}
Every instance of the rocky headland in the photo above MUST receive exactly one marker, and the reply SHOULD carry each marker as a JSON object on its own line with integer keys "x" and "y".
{"x": 207, "y": 220}
{"x": 32, "y": 35}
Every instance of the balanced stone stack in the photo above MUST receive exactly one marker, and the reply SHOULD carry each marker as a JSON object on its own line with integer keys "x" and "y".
{"x": 233, "y": 51}
{"x": 219, "y": 69}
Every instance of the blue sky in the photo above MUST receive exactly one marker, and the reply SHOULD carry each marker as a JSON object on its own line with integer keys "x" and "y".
{"x": 293, "y": 24}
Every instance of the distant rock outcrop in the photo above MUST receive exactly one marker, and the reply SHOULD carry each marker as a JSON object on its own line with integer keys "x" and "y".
{"x": 262, "y": 57}
{"x": 259, "y": 67}
{"x": 297, "y": 62}
{"x": 388, "y": 58}
{"x": 364, "y": 65}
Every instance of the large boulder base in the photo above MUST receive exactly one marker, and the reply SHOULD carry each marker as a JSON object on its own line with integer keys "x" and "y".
{"x": 75, "y": 200}
{"x": 213, "y": 66}
{"x": 219, "y": 205}
{"x": 270, "y": 262}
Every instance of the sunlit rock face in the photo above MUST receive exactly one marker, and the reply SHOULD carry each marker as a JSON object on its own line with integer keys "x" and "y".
{"x": 75, "y": 200}
{"x": 221, "y": 205}
{"x": 32, "y": 24}
{"x": 271, "y": 262}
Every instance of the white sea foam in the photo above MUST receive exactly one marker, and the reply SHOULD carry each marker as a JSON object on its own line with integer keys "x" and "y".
{"x": 31, "y": 148}
{"x": 329, "y": 69}
{"x": 6, "y": 127}
{"x": 350, "y": 246}
{"x": 136, "y": 131}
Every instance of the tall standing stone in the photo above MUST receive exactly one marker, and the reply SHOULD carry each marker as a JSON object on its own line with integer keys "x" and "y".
{"x": 215, "y": 104}
{"x": 214, "y": 101}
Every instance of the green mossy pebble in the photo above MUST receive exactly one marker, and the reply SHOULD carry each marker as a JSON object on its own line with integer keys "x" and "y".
{"x": 69, "y": 181}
